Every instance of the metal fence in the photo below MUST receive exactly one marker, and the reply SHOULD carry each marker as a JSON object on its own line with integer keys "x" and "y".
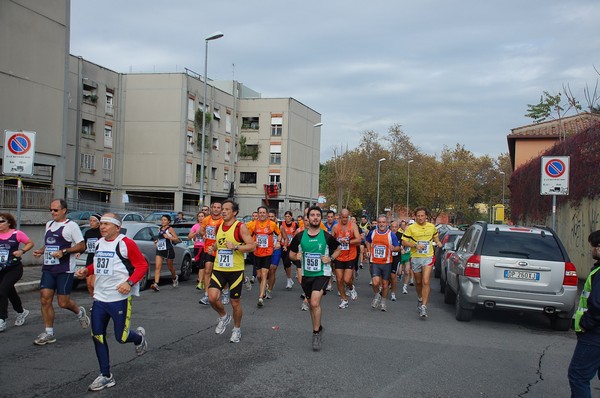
{"x": 31, "y": 198}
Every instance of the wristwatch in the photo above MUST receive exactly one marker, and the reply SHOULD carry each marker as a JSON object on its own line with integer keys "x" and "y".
{"x": 130, "y": 283}
{"x": 64, "y": 252}
{"x": 236, "y": 247}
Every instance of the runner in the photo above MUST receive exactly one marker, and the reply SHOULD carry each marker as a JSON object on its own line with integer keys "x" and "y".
{"x": 198, "y": 248}
{"x": 421, "y": 235}
{"x": 232, "y": 240}
{"x": 330, "y": 223}
{"x": 381, "y": 242}
{"x": 346, "y": 232}
{"x": 316, "y": 249}
{"x": 290, "y": 227}
{"x": 119, "y": 266}
{"x": 405, "y": 262}
{"x": 363, "y": 228}
{"x": 263, "y": 230}
{"x": 164, "y": 250}
{"x": 396, "y": 260}
{"x": 62, "y": 240}
{"x": 91, "y": 237}
{"x": 250, "y": 255}
{"x": 278, "y": 243}
{"x": 209, "y": 231}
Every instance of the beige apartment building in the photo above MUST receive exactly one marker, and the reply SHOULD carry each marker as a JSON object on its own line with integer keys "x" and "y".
{"x": 130, "y": 141}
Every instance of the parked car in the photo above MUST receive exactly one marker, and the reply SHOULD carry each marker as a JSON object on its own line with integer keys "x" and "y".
{"x": 144, "y": 234}
{"x": 80, "y": 216}
{"x": 126, "y": 216}
{"x": 449, "y": 234}
{"x": 157, "y": 215}
{"x": 449, "y": 247}
{"x": 514, "y": 268}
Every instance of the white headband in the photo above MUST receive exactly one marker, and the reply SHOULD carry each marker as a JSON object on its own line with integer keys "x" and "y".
{"x": 111, "y": 220}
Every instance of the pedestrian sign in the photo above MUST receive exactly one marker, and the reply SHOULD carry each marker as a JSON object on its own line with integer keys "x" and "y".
{"x": 19, "y": 152}
{"x": 555, "y": 175}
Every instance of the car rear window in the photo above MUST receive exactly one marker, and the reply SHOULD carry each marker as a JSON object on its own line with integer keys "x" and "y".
{"x": 522, "y": 245}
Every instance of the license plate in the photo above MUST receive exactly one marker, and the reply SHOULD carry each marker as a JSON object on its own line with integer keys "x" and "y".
{"x": 530, "y": 276}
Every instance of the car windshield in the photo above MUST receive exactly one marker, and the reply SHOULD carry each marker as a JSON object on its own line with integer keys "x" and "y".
{"x": 522, "y": 245}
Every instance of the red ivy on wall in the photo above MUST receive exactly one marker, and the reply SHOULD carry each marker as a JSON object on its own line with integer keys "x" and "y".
{"x": 527, "y": 205}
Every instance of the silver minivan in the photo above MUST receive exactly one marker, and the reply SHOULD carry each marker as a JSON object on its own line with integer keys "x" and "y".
{"x": 512, "y": 267}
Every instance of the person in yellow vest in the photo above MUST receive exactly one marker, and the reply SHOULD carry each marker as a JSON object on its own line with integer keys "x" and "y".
{"x": 232, "y": 240}
{"x": 585, "y": 363}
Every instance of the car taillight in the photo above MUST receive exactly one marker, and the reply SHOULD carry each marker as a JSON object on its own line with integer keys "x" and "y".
{"x": 570, "y": 278}
{"x": 472, "y": 267}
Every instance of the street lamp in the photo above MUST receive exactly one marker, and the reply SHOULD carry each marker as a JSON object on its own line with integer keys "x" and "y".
{"x": 408, "y": 187}
{"x": 214, "y": 36}
{"x": 312, "y": 157}
{"x": 503, "y": 185}
{"x": 378, "y": 174}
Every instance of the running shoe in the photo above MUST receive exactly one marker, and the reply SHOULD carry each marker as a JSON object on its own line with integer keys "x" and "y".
{"x": 412, "y": 282}
{"x": 329, "y": 287}
{"x": 383, "y": 307}
{"x": 225, "y": 296}
{"x": 304, "y": 306}
{"x": 353, "y": 294}
{"x": 222, "y": 325}
{"x": 204, "y": 300}
{"x": 376, "y": 300}
{"x": 44, "y": 338}
{"x": 84, "y": 320}
{"x": 316, "y": 341}
{"x": 423, "y": 311}
{"x": 102, "y": 382}
{"x": 333, "y": 279}
{"x": 404, "y": 289}
{"x": 252, "y": 279}
{"x": 247, "y": 283}
{"x": 393, "y": 296}
{"x": 289, "y": 284}
{"x": 154, "y": 286}
{"x": 2, "y": 325}
{"x": 343, "y": 304}
{"x": 260, "y": 302}
{"x": 200, "y": 285}
{"x": 21, "y": 317}
{"x": 419, "y": 304}
{"x": 143, "y": 347}
{"x": 176, "y": 281}
{"x": 268, "y": 295}
{"x": 236, "y": 335}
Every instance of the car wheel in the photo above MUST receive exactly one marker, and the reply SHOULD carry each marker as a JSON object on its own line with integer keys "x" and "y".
{"x": 186, "y": 269}
{"x": 561, "y": 324}
{"x": 461, "y": 314}
{"x": 449, "y": 296}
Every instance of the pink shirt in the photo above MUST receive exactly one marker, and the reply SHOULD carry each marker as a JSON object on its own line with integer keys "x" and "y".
{"x": 198, "y": 240}
{"x": 21, "y": 236}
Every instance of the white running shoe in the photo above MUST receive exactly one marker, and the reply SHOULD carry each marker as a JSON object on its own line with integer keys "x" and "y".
{"x": 21, "y": 317}
{"x": 225, "y": 296}
{"x": 423, "y": 311}
{"x": 329, "y": 287}
{"x": 268, "y": 295}
{"x": 204, "y": 300}
{"x": 405, "y": 289}
{"x": 304, "y": 306}
{"x": 343, "y": 304}
{"x": 247, "y": 283}
{"x": 176, "y": 281}
{"x": 2, "y": 325}
{"x": 393, "y": 296}
{"x": 419, "y": 304}
{"x": 236, "y": 335}
{"x": 222, "y": 325}
{"x": 44, "y": 338}
{"x": 376, "y": 301}
{"x": 383, "y": 307}
{"x": 353, "y": 294}
{"x": 84, "y": 320}
{"x": 143, "y": 347}
{"x": 102, "y": 382}
{"x": 289, "y": 284}
{"x": 260, "y": 302}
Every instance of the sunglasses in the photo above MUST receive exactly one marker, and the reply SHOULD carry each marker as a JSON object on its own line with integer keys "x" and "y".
{"x": 55, "y": 210}
{"x": 2, "y": 221}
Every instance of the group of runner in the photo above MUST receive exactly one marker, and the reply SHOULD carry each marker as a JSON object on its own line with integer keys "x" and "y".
{"x": 324, "y": 253}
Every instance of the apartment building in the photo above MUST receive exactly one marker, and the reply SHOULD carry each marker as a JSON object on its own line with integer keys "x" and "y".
{"x": 112, "y": 140}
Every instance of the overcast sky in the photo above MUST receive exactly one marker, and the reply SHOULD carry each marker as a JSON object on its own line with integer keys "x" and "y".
{"x": 448, "y": 71}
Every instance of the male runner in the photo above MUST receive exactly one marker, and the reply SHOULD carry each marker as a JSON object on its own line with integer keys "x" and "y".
{"x": 278, "y": 242}
{"x": 346, "y": 232}
{"x": 316, "y": 249}
{"x": 208, "y": 230}
{"x": 289, "y": 226}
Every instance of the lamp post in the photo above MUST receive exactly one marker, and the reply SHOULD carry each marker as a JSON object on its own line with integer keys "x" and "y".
{"x": 503, "y": 185}
{"x": 378, "y": 175}
{"x": 214, "y": 36}
{"x": 312, "y": 160}
{"x": 408, "y": 187}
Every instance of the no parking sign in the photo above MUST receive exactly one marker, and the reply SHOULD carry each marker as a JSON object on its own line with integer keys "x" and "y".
{"x": 555, "y": 175}
{"x": 19, "y": 152}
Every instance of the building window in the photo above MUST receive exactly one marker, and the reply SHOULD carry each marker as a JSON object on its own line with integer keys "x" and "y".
{"x": 90, "y": 94}
{"x": 228, "y": 122}
{"x": 108, "y": 136}
{"x": 198, "y": 172}
{"x": 227, "y": 151}
{"x": 275, "y": 154}
{"x": 190, "y": 112}
{"x": 274, "y": 179}
{"x": 188, "y": 174}
{"x": 215, "y": 143}
{"x": 107, "y": 163}
{"x": 110, "y": 102}
{"x": 250, "y": 123}
{"x": 88, "y": 161}
{"x": 213, "y": 173}
{"x": 276, "y": 124}
{"x": 247, "y": 177}
{"x": 190, "y": 142}
{"x": 87, "y": 127}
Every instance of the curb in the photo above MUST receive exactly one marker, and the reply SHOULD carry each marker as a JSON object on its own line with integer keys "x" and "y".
{"x": 23, "y": 287}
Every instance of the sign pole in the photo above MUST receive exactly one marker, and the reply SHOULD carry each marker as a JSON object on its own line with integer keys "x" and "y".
{"x": 554, "y": 212}
{"x": 19, "y": 187}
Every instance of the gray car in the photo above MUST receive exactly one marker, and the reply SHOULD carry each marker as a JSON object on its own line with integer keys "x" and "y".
{"x": 144, "y": 235}
{"x": 514, "y": 268}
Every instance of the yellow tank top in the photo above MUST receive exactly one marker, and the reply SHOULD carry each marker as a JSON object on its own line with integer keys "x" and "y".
{"x": 228, "y": 260}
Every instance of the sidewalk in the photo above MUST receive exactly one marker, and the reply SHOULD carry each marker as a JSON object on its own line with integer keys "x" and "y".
{"x": 30, "y": 280}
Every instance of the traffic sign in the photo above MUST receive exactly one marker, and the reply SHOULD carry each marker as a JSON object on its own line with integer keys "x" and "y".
{"x": 555, "y": 175}
{"x": 19, "y": 152}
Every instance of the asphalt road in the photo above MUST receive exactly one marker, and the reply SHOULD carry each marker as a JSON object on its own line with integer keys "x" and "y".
{"x": 366, "y": 353}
